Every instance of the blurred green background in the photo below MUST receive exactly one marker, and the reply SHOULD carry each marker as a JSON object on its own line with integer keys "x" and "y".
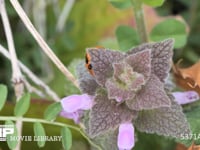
{"x": 90, "y": 23}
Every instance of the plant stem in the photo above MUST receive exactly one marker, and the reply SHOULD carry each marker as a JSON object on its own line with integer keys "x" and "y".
{"x": 140, "y": 22}
{"x": 64, "y": 15}
{"x": 42, "y": 43}
{"x": 32, "y": 76}
{"x": 17, "y": 77}
{"x": 24, "y": 119}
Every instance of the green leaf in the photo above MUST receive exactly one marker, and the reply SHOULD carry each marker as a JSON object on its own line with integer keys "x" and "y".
{"x": 121, "y": 4}
{"x": 66, "y": 138}
{"x": 11, "y": 138}
{"x": 170, "y": 28}
{"x": 52, "y": 111}
{"x": 153, "y": 3}
{"x": 127, "y": 37}
{"x": 39, "y": 131}
{"x": 22, "y": 105}
{"x": 3, "y": 95}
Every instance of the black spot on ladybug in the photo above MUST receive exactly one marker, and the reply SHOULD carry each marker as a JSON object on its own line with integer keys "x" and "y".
{"x": 90, "y": 67}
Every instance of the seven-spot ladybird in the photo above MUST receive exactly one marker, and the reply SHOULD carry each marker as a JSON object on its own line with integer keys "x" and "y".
{"x": 88, "y": 64}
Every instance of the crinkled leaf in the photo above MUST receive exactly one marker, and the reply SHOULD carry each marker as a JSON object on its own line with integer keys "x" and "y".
{"x": 66, "y": 138}
{"x": 153, "y": 3}
{"x": 101, "y": 61}
{"x": 151, "y": 96}
{"x": 124, "y": 83}
{"x": 141, "y": 62}
{"x": 170, "y": 28}
{"x": 9, "y": 138}
{"x": 121, "y": 4}
{"x": 107, "y": 141}
{"x": 163, "y": 121}
{"x": 87, "y": 82}
{"x": 52, "y": 111}
{"x": 39, "y": 131}
{"x": 3, "y": 95}
{"x": 161, "y": 54}
{"x": 22, "y": 105}
{"x": 127, "y": 37}
{"x": 162, "y": 58}
{"x": 106, "y": 115}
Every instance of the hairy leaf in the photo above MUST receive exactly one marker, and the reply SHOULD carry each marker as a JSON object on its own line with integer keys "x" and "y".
{"x": 161, "y": 57}
{"x": 141, "y": 62}
{"x": 151, "y": 96}
{"x": 87, "y": 82}
{"x": 101, "y": 61}
{"x": 124, "y": 83}
{"x": 163, "y": 121}
{"x": 106, "y": 115}
{"x": 107, "y": 141}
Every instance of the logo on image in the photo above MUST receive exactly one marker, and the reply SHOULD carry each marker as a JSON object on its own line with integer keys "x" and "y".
{"x": 5, "y": 130}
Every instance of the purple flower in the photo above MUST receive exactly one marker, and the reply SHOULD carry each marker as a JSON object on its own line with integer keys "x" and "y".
{"x": 186, "y": 97}
{"x": 126, "y": 140}
{"x": 74, "y": 106}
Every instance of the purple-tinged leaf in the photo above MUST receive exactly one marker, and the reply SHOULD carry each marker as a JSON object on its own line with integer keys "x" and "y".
{"x": 141, "y": 62}
{"x": 101, "y": 61}
{"x": 161, "y": 53}
{"x": 87, "y": 82}
{"x": 151, "y": 96}
{"x": 106, "y": 115}
{"x": 168, "y": 121}
{"x": 107, "y": 141}
{"x": 125, "y": 83}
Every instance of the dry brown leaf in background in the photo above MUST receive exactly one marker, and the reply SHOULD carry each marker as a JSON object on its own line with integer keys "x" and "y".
{"x": 183, "y": 147}
{"x": 180, "y": 146}
{"x": 188, "y": 78}
{"x": 194, "y": 147}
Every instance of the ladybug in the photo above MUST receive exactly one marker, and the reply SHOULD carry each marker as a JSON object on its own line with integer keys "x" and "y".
{"x": 88, "y": 64}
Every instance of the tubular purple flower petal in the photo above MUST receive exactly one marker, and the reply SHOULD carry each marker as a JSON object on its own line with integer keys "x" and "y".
{"x": 74, "y": 103}
{"x": 86, "y": 102}
{"x": 75, "y": 115}
{"x": 186, "y": 97}
{"x": 126, "y": 140}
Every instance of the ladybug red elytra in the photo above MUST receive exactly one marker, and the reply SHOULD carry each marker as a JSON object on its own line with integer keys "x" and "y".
{"x": 88, "y": 61}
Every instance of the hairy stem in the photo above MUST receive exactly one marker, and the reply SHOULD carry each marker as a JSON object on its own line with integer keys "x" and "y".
{"x": 42, "y": 43}
{"x": 17, "y": 78}
{"x": 33, "y": 77}
{"x": 140, "y": 22}
{"x": 4, "y": 118}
